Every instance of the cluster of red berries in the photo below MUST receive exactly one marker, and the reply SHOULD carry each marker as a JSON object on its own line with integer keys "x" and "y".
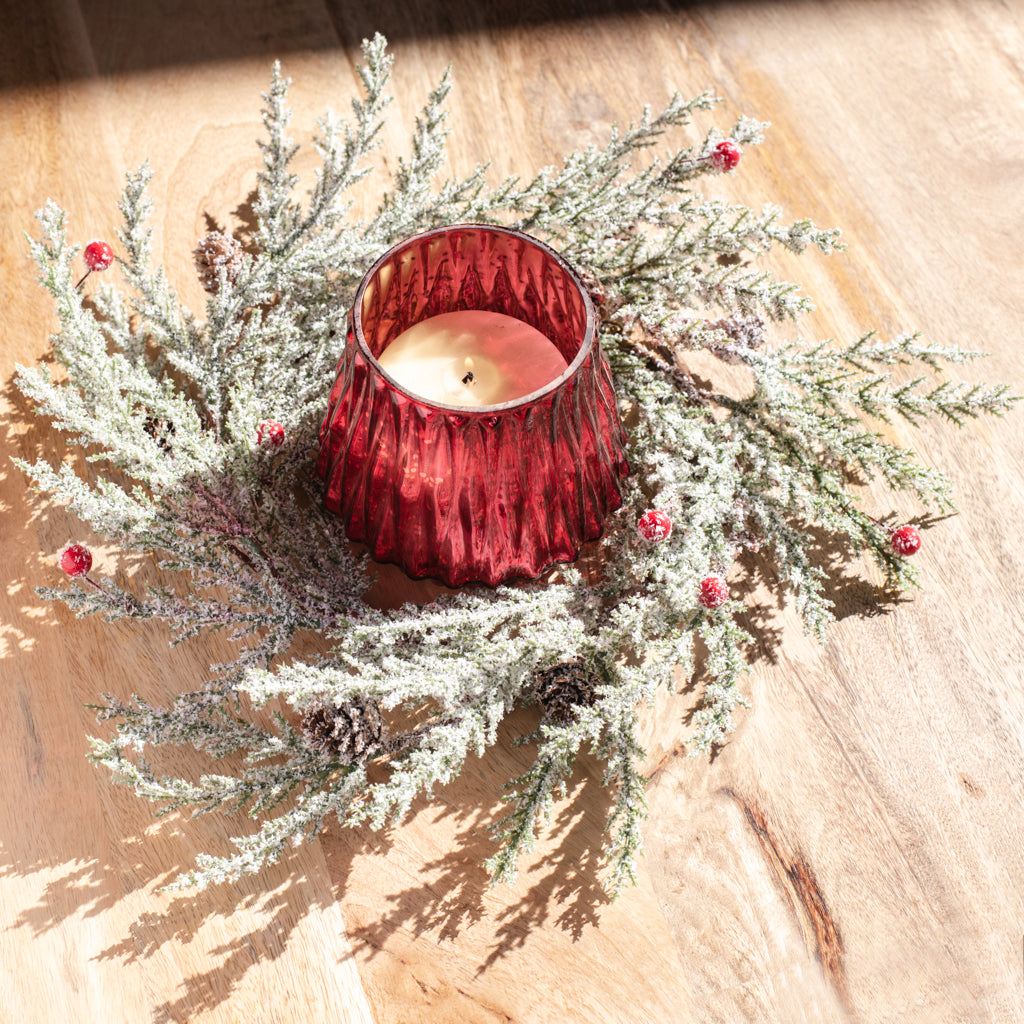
{"x": 655, "y": 526}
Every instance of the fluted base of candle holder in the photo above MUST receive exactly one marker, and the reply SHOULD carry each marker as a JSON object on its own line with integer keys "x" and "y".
{"x": 467, "y": 504}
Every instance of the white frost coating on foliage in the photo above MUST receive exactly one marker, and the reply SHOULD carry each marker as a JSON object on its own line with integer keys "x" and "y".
{"x": 165, "y": 404}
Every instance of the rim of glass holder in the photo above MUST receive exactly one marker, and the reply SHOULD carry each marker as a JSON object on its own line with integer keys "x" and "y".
{"x": 586, "y": 344}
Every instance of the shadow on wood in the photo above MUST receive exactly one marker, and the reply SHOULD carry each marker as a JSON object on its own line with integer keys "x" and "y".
{"x": 119, "y": 39}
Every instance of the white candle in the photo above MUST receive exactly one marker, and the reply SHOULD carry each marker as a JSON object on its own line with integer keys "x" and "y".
{"x": 472, "y": 357}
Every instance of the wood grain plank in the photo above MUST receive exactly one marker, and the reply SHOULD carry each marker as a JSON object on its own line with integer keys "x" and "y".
{"x": 867, "y": 761}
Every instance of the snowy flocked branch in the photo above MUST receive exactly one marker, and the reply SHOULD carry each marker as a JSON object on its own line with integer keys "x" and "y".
{"x": 203, "y": 432}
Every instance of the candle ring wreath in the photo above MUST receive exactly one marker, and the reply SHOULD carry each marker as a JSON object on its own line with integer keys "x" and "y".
{"x": 204, "y": 434}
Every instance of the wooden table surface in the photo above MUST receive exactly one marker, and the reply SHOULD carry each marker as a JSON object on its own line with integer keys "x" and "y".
{"x": 855, "y": 853}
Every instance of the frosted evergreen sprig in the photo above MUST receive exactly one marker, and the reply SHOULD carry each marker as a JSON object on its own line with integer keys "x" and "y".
{"x": 164, "y": 406}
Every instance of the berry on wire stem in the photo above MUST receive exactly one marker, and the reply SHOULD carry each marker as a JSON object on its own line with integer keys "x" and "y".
{"x": 654, "y": 525}
{"x": 714, "y": 592}
{"x": 270, "y": 431}
{"x": 905, "y": 540}
{"x": 97, "y": 256}
{"x": 725, "y": 156}
{"x": 76, "y": 561}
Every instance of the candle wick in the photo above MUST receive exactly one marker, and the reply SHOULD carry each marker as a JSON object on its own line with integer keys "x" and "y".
{"x": 468, "y": 379}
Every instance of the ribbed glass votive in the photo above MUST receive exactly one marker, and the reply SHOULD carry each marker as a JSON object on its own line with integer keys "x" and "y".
{"x": 453, "y": 490}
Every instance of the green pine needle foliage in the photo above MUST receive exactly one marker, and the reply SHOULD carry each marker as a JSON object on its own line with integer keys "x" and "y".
{"x": 165, "y": 404}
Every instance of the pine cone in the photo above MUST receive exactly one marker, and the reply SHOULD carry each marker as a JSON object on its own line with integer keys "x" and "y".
{"x": 343, "y": 733}
{"x": 161, "y": 431}
{"x": 215, "y": 251}
{"x": 563, "y": 688}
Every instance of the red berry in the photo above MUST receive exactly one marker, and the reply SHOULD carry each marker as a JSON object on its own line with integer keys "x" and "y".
{"x": 98, "y": 255}
{"x": 654, "y": 525}
{"x": 714, "y": 592}
{"x": 272, "y": 432}
{"x": 725, "y": 156}
{"x": 76, "y": 560}
{"x": 906, "y": 540}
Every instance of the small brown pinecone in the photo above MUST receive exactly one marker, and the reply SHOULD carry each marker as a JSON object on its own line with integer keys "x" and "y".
{"x": 344, "y": 733}
{"x": 214, "y": 252}
{"x": 563, "y": 688}
{"x": 161, "y": 431}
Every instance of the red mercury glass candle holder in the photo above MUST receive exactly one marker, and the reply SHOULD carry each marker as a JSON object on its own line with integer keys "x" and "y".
{"x": 472, "y": 494}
